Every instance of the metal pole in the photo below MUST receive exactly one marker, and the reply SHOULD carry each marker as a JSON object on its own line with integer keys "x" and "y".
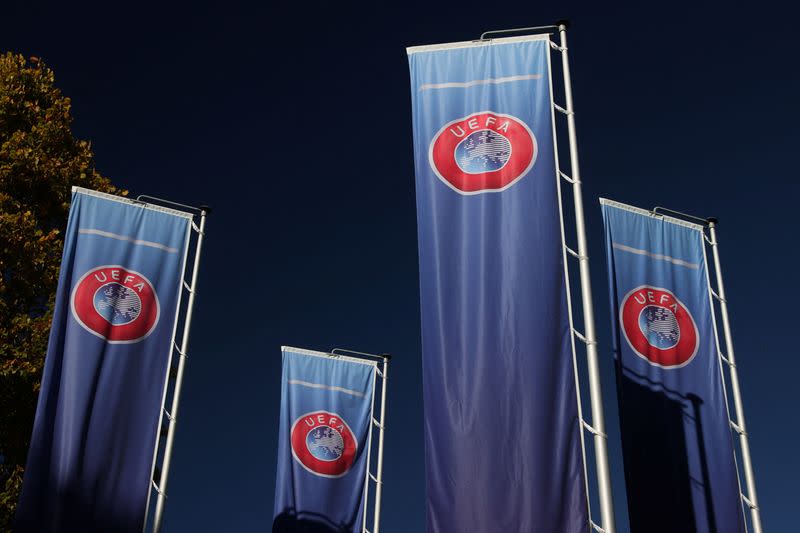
{"x": 376, "y": 525}
{"x": 595, "y": 391}
{"x": 751, "y": 499}
{"x": 176, "y": 396}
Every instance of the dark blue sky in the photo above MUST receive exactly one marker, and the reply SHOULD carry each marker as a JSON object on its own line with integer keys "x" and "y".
{"x": 293, "y": 122}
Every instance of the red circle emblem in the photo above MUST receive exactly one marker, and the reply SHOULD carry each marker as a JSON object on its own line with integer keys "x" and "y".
{"x": 116, "y": 304}
{"x": 658, "y": 327}
{"x": 323, "y": 444}
{"x": 483, "y": 152}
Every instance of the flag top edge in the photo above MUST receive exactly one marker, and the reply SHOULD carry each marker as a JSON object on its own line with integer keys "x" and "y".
{"x": 328, "y": 355}
{"x": 645, "y": 212}
{"x": 129, "y": 201}
{"x": 473, "y": 44}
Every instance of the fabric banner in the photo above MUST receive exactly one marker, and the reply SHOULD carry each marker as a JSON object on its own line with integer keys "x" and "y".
{"x": 678, "y": 452}
{"x": 91, "y": 456}
{"x": 502, "y": 437}
{"x": 323, "y": 442}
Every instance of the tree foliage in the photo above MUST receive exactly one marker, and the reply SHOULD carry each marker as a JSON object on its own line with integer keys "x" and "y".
{"x": 40, "y": 161}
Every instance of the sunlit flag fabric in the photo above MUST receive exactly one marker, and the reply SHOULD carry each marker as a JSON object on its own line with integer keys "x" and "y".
{"x": 323, "y": 442}
{"x": 502, "y": 441}
{"x": 91, "y": 456}
{"x": 677, "y": 444}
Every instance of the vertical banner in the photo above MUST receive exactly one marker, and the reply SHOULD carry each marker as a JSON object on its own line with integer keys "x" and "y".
{"x": 677, "y": 445}
{"x": 323, "y": 442}
{"x": 92, "y": 449}
{"x": 502, "y": 441}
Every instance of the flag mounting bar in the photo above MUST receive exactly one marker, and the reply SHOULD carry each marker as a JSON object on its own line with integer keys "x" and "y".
{"x": 701, "y": 221}
{"x": 750, "y": 499}
{"x": 200, "y": 209}
{"x": 384, "y": 356}
{"x": 183, "y": 352}
{"x": 381, "y": 425}
{"x": 530, "y": 29}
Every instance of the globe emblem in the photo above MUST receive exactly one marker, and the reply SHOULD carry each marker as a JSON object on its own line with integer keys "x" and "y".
{"x": 325, "y": 443}
{"x": 118, "y": 304}
{"x": 659, "y": 326}
{"x": 483, "y": 151}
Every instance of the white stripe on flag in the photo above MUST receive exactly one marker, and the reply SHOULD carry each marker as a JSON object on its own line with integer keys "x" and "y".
{"x": 326, "y": 387}
{"x": 679, "y": 262}
{"x": 110, "y": 235}
{"x": 465, "y": 84}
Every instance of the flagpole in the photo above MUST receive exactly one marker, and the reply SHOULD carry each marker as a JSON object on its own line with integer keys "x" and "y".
{"x": 378, "y": 477}
{"x": 739, "y": 426}
{"x": 376, "y": 524}
{"x": 595, "y": 390}
{"x": 173, "y": 414}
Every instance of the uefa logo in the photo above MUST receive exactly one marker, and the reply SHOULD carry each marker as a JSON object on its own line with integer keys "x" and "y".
{"x": 658, "y": 327}
{"x": 323, "y": 444}
{"x": 115, "y": 304}
{"x": 483, "y": 152}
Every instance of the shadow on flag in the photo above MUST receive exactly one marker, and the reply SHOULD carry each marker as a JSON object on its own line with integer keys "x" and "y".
{"x": 289, "y": 522}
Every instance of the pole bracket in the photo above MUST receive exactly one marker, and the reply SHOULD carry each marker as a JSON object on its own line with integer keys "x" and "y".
{"x": 554, "y": 46}
{"x": 562, "y": 110}
{"x": 175, "y": 346}
{"x": 158, "y": 490}
{"x": 591, "y": 429}
{"x": 748, "y": 502}
{"x": 717, "y": 296}
{"x": 583, "y": 338}
{"x": 574, "y": 182}
{"x": 737, "y": 428}
{"x": 596, "y": 527}
{"x": 727, "y": 361}
{"x": 377, "y": 424}
{"x": 373, "y": 478}
{"x": 169, "y": 415}
{"x": 575, "y": 254}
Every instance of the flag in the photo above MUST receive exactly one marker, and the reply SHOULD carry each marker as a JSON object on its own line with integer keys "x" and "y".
{"x": 323, "y": 442}
{"x": 502, "y": 435}
{"x": 91, "y": 456}
{"x": 678, "y": 452}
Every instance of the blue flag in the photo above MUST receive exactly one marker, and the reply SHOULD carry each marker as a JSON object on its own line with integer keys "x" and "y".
{"x": 677, "y": 444}
{"x": 92, "y": 449}
{"x": 502, "y": 436}
{"x": 323, "y": 442}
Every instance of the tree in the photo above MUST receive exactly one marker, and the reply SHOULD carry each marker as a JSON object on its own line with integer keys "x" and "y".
{"x": 40, "y": 161}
